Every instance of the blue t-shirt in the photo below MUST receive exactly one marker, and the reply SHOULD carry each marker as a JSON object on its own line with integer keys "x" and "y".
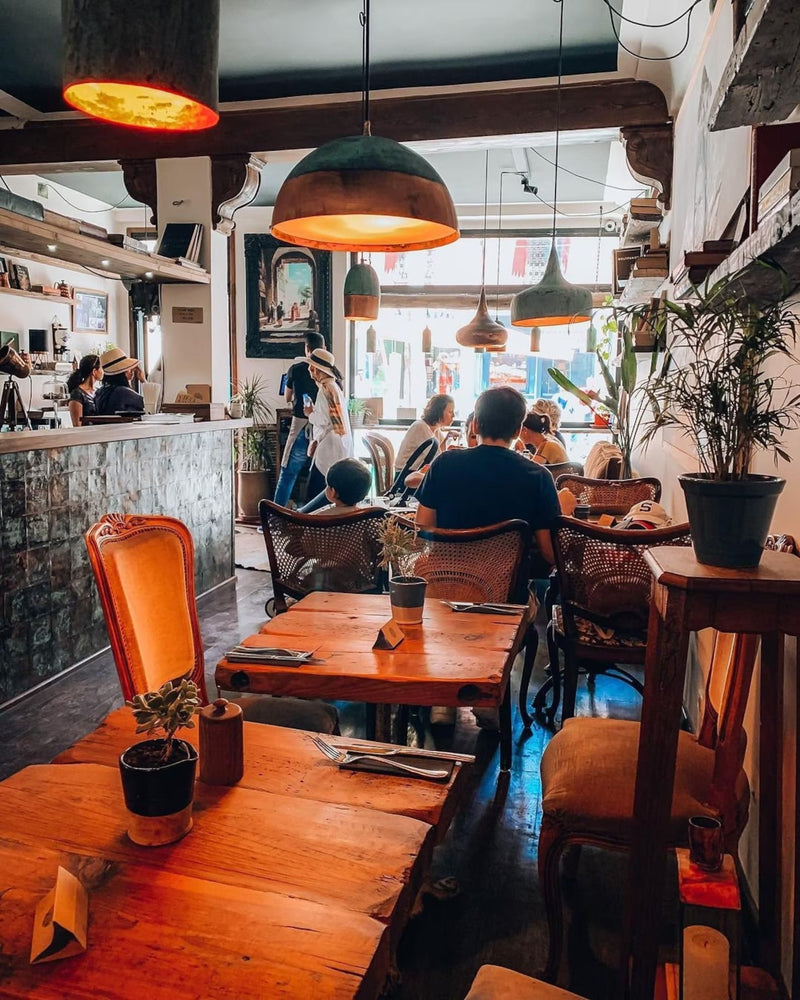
{"x": 473, "y": 487}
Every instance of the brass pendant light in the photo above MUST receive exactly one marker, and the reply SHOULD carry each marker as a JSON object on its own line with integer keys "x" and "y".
{"x": 554, "y": 301}
{"x": 362, "y": 292}
{"x": 427, "y": 340}
{"x": 364, "y": 192}
{"x": 372, "y": 339}
{"x": 143, "y": 64}
{"x": 482, "y": 330}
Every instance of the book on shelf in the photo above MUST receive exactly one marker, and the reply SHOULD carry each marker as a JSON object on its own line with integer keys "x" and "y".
{"x": 180, "y": 239}
{"x": 186, "y": 262}
{"x": 719, "y": 246}
{"x": 645, "y": 209}
{"x": 783, "y": 189}
{"x": 127, "y": 242}
{"x": 91, "y": 229}
{"x": 789, "y": 163}
{"x": 703, "y": 258}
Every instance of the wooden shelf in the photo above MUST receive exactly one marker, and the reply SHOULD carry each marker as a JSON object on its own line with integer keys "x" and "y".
{"x": 639, "y": 291}
{"x": 761, "y": 82}
{"x": 29, "y": 236}
{"x": 636, "y": 232}
{"x": 778, "y": 240}
{"x": 60, "y": 299}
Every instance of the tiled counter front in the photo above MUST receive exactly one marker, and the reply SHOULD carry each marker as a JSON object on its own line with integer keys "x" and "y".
{"x": 50, "y": 616}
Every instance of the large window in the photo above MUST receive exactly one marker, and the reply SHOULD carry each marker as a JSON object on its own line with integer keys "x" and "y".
{"x": 428, "y": 289}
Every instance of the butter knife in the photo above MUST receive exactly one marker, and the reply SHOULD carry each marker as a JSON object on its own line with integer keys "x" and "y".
{"x": 464, "y": 758}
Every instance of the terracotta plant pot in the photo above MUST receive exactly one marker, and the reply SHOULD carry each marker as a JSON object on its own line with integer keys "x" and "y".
{"x": 730, "y": 520}
{"x": 407, "y": 597}
{"x": 251, "y": 488}
{"x": 158, "y": 796}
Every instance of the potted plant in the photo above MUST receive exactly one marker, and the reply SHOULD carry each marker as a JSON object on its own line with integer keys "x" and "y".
{"x": 254, "y": 452}
{"x": 400, "y": 546}
{"x": 158, "y": 774}
{"x": 620, "y": 409}
{"x": 717, "y": 383}
{"x": 358, "y": 411}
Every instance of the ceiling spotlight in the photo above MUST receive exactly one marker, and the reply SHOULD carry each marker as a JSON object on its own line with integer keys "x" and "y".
{"x": 105, "y": 263}
{"x": 51, "y": 247}
{"x": 148, "y": 274}
{"x": 527, "y": 187}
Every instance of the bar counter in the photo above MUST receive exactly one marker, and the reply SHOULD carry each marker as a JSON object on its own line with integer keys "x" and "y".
{"x": 55, "y": 484}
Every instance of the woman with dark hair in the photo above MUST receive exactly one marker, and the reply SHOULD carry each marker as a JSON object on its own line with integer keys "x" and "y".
{"x": 81, "y": 387}
{"x": 438, "y": 414}
{"x": 539, "y": 442}
{"x": 116, "y": 394}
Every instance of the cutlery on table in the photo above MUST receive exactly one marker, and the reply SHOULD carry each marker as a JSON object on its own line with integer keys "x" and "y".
{"x": 346, "y": 757}
{"x": 486, "y": 608}
{"x": 464, "y": 758}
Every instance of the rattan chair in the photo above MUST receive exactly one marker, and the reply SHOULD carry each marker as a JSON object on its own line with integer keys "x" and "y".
{"x": 564, "y": 468}
{"x": 605, "y": 602}
{"x": 382, "y": 454}
{"x": 610, "y": 496}
{"x": 308, "y": 552}
{"x": 144, "y": 568}
{"x": 589, "y": 773}
{"x": 421, "y": 455}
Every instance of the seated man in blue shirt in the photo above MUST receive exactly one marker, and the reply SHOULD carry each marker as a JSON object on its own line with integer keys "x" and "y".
{"x": 470, "y": 488}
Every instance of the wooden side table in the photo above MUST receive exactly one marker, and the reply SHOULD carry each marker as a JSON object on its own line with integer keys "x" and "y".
{"x": 687, "y": 597}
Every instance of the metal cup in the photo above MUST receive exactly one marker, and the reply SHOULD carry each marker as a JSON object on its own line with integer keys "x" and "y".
{"x": 705, "y": 843}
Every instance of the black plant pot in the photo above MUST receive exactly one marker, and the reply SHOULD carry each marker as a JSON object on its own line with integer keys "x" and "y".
{"x": 407, "y": 597}
{"x": 158, "y": 796}
{"x": 730, "y": 520}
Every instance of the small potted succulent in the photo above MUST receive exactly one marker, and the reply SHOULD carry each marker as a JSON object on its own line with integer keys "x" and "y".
{"x": 400, "y": 548}
{"x": 158, "y": 774}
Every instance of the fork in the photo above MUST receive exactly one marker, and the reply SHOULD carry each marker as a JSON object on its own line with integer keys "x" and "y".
{"x": 346, "y": 757}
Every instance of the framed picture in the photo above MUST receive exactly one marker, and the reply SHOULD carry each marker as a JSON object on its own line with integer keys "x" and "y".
{"x": 7, "y": 337}
{"x": 90, "y": 311}
{"x": 288, "y": 294}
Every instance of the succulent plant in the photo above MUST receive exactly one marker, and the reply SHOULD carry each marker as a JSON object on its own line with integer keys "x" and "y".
{"x": 167, "y": 710}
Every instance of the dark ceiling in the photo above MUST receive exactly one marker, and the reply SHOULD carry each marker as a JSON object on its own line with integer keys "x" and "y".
{"x": 287, "y": 48}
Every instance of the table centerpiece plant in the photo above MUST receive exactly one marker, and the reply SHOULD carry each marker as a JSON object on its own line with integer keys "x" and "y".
{"x": 400, "y": 549}
{"x": 254, "y": 448}
{"x": 728, "y": 380}
{"x": 158, "y": 774}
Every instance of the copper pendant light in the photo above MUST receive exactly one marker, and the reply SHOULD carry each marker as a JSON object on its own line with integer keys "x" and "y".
{"x": 364, "y": 192}
{"x": 362, "y": 292}
{"x": 372, "y": 339}
{"x": 149, "y": 65}
{"x": 427, "y": 340}
{"x": 482, "y": 330}
{"x": 554, "y": 301}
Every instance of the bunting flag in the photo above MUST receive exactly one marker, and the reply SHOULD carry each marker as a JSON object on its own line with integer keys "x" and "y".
{"x": 520, "y": 258}
{"x": 391, "y": 261}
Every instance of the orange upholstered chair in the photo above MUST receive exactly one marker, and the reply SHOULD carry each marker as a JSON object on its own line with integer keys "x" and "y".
{"x": 144, "y": 568}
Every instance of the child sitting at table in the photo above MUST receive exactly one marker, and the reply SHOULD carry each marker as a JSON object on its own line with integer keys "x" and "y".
{"x": 346, "y": 484}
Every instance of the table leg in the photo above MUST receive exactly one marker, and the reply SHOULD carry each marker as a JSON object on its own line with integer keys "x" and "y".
{"x": 383, "y": 723}
{"x": 665, "y": 671}
{"x": 505, "y": 730}
{"x": 796, "y": 909}
{"x": 770, "y": 818}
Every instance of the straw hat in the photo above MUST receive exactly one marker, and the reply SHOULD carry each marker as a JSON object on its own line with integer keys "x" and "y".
{"x": 320, "y": 358}
{"x": 116, "y": 361}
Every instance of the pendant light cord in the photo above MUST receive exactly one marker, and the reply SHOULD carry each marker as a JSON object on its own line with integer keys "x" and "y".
{"x": 499, "y": 244}
{"x": 363, "y": 18}
{"x": 558, "y": 110}
{"x": 485, "y": 216}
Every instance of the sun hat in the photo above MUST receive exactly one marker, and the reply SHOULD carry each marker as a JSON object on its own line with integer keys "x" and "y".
{"x": 320, "y": 358}
{"x": 116, "y": 361}
{"x": 646, "y": 514}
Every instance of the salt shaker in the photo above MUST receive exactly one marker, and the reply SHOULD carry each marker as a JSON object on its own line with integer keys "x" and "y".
{"x": 221, "y": 743}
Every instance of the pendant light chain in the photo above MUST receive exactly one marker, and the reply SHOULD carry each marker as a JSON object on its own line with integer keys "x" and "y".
{"x": 558, "y": 109}
{"x": 365, "y": 26}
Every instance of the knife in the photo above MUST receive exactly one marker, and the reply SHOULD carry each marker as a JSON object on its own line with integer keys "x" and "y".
{"x": 384, "y": 751}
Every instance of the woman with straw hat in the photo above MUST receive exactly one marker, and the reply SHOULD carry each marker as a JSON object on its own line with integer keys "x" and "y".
{"x": 331, "y": 437}
{"x": 116, "y": 394}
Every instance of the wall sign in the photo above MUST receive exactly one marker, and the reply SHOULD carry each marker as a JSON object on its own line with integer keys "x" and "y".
{"x": 187, "y": 314}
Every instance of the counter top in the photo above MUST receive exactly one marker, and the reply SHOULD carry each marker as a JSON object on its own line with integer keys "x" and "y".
{"x": 65, "y": 437}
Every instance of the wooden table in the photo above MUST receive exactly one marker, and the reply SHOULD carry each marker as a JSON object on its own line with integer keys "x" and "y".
{"x": 296, "y": 882}
{"x": 688, "y": 596}
{"x": 450, "y": 659}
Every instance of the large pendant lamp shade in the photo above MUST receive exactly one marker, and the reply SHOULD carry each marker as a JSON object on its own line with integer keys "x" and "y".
{"x": 553, "y": 302}
{"x": 482, "y": 331}
{"x": 364, "y": 192}
{"x": 362, "y": 292}
{"x": 144, "y": 64}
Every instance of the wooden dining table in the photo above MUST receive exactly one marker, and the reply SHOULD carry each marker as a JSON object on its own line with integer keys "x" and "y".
{"x": 296, "y": 882}
{"x": 452, "y": 658}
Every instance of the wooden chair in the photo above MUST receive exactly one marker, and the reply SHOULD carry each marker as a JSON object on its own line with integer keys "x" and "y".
{"x": 421, "y": 455}
{"x": 144, "y": 568}
{"x": 308, "y": 552}
{"x": 602, "y": 619}
{"x": 610, "y": 496}
{"x": 599, "y": 755}
{"x": 495, "y": 983}
{"x": 382, "y": 455}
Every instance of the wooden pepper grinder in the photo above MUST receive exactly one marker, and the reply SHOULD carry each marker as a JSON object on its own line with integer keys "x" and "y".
{"x": 221, "y": 743}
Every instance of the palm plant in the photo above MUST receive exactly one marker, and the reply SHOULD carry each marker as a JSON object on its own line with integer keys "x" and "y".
{"x": 253, "y": 451}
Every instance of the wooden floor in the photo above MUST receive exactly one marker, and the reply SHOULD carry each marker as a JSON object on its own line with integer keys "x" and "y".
{"x": 486, "y": 906}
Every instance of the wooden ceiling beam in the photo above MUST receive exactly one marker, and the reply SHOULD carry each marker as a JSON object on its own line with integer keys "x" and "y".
{"x": 451, "y": 115}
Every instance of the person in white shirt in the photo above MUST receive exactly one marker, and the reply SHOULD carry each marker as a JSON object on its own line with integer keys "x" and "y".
{"x": 332, "y": 438}
{"x": 438, "y": 414}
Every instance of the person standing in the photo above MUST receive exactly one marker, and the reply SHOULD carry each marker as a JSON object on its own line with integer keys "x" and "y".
{"x": 332, "y": 438}
{"x": 299, "y": 384}
{"x": 81, "y": 386}
{"x": 116, "y": 394}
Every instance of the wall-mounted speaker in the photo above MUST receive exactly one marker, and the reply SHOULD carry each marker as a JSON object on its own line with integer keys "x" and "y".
{"x": 37, "y": 341}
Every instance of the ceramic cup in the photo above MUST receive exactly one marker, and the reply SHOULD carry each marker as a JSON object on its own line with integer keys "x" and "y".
{"x": 705, "y": 843}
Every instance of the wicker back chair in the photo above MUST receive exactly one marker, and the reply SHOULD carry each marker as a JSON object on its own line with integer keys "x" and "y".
{"x": 600, "y": 754}
{"x": 421, "y": 455}
{"x": 564, "y": 468}
{"x": 382, "y": 454}
{"x": 610, "y": 496}
{"x": 605, "y": 603}
{"x": 308, "y": 552}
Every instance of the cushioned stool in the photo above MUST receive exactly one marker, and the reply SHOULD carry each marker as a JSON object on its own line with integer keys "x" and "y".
{"x": 494, "y": 983}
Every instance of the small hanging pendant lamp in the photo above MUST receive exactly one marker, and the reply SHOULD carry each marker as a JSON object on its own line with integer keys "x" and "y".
{"x": 536, "y": 339}
{"x": 372, "y": 339}
{"x": 362, "y": 292}
{"x": 427, "y": 340}
{"x": 482, "y": 330}
{"x": 149, "y": 65}
{"x": 554, "y": 301}
{"x": 364, "y": 192}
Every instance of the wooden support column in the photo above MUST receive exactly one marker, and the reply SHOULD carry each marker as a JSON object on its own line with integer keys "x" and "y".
{"x": 648, "y": 149}
{"x": 235, "y": 180}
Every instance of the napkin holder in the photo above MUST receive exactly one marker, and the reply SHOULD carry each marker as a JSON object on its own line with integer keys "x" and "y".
{"x": 61, "y": 919}
{"x": 390, "y": 636}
